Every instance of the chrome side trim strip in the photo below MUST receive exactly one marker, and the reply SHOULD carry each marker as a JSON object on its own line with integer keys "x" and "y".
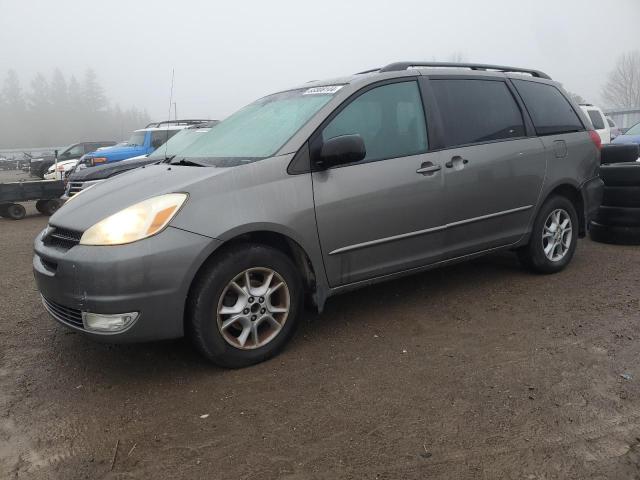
{"x": 371, "y": 243}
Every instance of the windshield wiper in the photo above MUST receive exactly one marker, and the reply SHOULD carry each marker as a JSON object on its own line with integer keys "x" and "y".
{"x": 168, "y": 159}
{"x": 189, "y": 163}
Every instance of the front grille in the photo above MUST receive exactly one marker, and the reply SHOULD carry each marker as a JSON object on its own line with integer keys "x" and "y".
{"x": 62, "y": 238}
{"x": 63, "y": 314}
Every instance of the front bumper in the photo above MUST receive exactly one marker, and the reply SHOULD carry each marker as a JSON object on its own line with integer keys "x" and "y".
{"x": 151, "y": 276}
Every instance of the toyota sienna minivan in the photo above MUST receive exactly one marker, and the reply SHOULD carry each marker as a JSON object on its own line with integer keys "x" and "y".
{"x": 317, "y": 190}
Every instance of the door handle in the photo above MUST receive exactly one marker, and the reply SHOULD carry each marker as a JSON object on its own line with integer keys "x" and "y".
{"x": 457, "y": 162}
{"x": 428, "y": 168}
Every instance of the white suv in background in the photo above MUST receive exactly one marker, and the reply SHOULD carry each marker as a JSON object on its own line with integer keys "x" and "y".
{"x": 600, "y": 124}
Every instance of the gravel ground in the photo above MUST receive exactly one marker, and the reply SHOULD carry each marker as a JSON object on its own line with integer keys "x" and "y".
{"x": 479, "y": 370}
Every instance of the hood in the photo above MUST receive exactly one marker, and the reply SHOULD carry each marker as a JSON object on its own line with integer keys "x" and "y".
{"x": 105, "y": 199}
{"x": 627, "y": 139}
{"x": 65, "y": 164}
{"x": 117, "y": 153}
{"x": 105, "y": 171}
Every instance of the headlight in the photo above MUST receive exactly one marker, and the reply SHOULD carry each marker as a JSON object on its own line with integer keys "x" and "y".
{"x": 136, "y": 222}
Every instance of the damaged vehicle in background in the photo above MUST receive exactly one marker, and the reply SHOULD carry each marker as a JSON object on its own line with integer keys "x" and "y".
{"x": 39, "y": 167}
{"x": 318, "y": 190}
{"x": 82, "y": 178}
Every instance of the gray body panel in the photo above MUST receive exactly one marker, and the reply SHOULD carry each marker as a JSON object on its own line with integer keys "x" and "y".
{"x": 350, "y": 203}
{"x": 357, "y": 224}
{"x": 494, "y": 193}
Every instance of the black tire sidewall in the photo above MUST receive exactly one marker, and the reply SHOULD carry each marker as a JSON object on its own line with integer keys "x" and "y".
{"x": 16, "y": 211}
{"x": 49, "y": 207}
{"x": 203, "y": 303}
{"x": 535, "y": 256}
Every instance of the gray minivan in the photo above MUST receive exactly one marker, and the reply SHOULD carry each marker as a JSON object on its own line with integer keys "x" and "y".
{"x": 316, "y": 190}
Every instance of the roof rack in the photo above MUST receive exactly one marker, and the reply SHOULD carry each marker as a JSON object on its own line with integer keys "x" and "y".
{"x": 399, "y": 66}
{"x": 176, "y": 122}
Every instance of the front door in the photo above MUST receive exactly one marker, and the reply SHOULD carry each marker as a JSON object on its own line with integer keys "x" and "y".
{"x": 385, "y": 213}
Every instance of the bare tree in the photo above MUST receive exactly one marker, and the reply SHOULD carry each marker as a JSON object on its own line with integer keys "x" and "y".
{"x": 576, "y": 97}
{"x": 622, "y": 89}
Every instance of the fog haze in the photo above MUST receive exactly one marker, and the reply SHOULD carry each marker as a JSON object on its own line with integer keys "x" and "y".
{"x": 226, "y": 54}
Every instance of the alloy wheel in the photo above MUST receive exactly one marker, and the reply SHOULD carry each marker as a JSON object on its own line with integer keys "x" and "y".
{"x": 253, "y": 308}
{"x": 557, "y": 234}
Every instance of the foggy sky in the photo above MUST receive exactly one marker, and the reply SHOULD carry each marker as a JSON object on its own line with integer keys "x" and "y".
{"x": 227, "y": 53}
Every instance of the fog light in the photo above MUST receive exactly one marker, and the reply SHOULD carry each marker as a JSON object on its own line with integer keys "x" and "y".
{"x": 98, "y": 322}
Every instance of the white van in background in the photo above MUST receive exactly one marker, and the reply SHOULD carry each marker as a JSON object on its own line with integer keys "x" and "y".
{"x": 600, "y": 124}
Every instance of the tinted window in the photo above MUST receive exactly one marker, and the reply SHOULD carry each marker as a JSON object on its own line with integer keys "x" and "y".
{"x": 390, "y": 120}
{"x": 159, "y": 137}
{"x": 550, "y": 111}
{"x": 596, "y": 119}
{"x": 474, "y": 111}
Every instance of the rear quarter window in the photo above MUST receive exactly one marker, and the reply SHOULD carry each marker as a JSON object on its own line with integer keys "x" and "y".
{"x": 596, "y": 119}
{"x": 550, "y": 111}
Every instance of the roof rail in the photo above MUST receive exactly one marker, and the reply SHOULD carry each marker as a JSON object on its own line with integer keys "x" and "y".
{"x": 398, "y": 66}
{"x": 176, "y": 122}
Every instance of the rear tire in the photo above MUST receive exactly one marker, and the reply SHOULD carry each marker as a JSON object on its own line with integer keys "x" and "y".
{"x": 621, "y": 197}
{"x": 221, "y": 308}
{"x": 618, "y": 216}
{"x": 621, "y": 174}
{"x": 614, "y": 234}
{"x": 49, "y": 207}
{"x": 15, "y": 211}
{"x": 552, "y": 243}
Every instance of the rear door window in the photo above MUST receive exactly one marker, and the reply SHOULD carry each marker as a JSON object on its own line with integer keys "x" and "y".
{"x": 390, "y": 120}
{"x": 596, "y": 119}
{"x": 477, "y": 111}
{"x": 550, "y": 111}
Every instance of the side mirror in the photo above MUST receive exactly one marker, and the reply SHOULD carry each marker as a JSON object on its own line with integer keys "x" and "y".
{"x": 341, "y": 150}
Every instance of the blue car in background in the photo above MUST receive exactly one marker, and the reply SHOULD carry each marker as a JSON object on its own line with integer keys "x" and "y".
{"x": 630, "y": 136}
{"x": 142, "y": 142}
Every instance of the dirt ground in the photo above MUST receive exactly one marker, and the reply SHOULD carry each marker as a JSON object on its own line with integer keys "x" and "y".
{"x": 479, "y": 370}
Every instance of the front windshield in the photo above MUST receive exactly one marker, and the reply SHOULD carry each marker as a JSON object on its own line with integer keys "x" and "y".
{"x": 136, "y": 138}
{"x": 178, "y": 142}
{"x": 258, "y": 130}
{"x": 635, "y": 130}
{"x": 64, "y": 150}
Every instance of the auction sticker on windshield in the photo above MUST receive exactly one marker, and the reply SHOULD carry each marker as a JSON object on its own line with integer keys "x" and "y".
{"x": 326, "y": 90}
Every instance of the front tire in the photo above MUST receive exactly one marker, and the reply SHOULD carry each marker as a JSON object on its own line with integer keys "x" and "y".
{"x": 554, "y": 237}
{"x": 244, "y": 305}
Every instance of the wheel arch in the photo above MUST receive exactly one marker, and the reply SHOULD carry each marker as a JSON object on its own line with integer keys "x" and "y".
{"x": 573, "y": 193}
{"x": 570, "y": 190}
{"x": 310, "y": 272}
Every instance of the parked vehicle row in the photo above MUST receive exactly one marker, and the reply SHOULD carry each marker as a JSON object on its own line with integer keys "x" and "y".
{"x": 141, "y": 142}
{"x": 39, "y": 167}
{"x": 316, "y": 190}
{"x": 82, "y": 178}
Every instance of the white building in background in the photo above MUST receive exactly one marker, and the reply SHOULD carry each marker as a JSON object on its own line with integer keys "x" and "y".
{"x": 624, "y": 117}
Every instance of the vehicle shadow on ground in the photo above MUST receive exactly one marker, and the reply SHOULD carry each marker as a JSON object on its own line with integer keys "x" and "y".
{"x": 162, "y": 361}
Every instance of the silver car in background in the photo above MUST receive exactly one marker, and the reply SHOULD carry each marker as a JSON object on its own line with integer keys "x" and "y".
{"x": 317, "y": 190}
